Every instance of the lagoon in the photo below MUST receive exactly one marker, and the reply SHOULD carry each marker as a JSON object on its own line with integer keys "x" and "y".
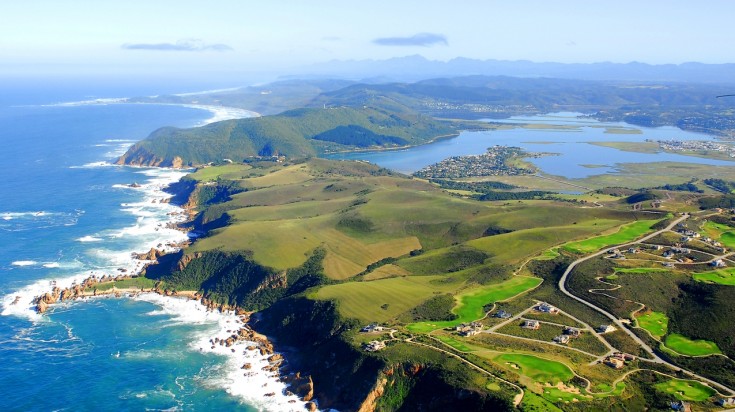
{"x": 569, "y": 138}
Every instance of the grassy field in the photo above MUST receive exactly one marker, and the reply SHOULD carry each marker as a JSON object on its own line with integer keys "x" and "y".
{"x": 515, "y": 246}
{"x": 533, "y": 402}
{"x": 686, "y": 390}
{"x": 656, "y": 323}
{"x": 454, "y": 343}
{"x": 720, "y": 276}
{"x": 208, "y": 174}
{"x": 685, "y": 346}
{"x": 471, "y": 303}
{"x": 640, "y": 270}
{"x": 539, "y": 369}
{"x": 365, "y": 300}
{"x": 130, "y": 283}
{"x": 626, "y": 233}
{"x": 549, "y": 254}
{"x": 723, "y": 233}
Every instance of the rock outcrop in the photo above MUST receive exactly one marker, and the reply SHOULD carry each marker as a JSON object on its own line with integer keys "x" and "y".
{"x": 152, "y": 254}
{"x": 303, "y": 387}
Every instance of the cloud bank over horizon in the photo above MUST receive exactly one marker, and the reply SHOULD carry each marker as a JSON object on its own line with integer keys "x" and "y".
{"x": 188, "y": 45}
{"x": 420, "y": 39}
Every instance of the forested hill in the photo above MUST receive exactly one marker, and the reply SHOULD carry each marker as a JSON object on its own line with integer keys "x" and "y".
{"x": 295, "y": 133}
{"x": 507, "y": 96}
{"x": 361, "y": 116}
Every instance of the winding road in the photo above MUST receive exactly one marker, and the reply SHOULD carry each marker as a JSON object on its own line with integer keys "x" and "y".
{"x": 618, "y": 322}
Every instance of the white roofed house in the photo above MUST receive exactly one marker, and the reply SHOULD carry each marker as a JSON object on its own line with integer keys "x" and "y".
{"x": 546, "y": 308}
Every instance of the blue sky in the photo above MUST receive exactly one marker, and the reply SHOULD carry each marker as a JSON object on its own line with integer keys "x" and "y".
{"x": 45, "y": 36}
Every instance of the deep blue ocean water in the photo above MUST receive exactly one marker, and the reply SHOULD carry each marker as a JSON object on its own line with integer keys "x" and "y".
{"x": 65, "y": 212}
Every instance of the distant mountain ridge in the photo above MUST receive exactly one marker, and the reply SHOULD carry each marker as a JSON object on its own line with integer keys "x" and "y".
{"x": 416, "y": 67}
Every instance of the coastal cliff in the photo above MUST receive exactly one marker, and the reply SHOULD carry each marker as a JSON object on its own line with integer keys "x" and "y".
{"x": 139, "y": 155}
{"x": 316, "y": 340}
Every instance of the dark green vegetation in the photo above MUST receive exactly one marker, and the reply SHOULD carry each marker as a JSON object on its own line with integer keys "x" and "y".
{"x": 344, "y": 116}
{"x": 295, "y": 133}
{"x": 322, "y": 248}
{"x": 236, "y": 280}
{"x": 342, "y": 244}
{"x": 436, "y": 308}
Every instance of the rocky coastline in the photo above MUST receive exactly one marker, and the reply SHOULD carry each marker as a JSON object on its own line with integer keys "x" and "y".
{"x": 105, "y": 286}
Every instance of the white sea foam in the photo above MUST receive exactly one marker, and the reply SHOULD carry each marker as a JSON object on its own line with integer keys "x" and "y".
{"x": 89, "y": 239}
{"x": 250, "y": 385}
{"x": 220, "y": 113}
{"x": 52, "y": 265}
{"x": 90, "y": 102}
{"x": 143, "y": 235}
{"x": 92, "y": 165}
{"x": 229, "y": 89}
{"x": 120, "y": 141}
{"x": 24, "y": 263}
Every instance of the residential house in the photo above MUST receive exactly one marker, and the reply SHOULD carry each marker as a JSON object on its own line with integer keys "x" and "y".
{"x": 571, "y": 332}
{"x": 469, "y": 329}
{"x": 681, "y": 406}
{"x": 546, "y": 308}
{"x": 605, "y": 329}
{"x": 531, "y": 324}
{"x": 503, "y": 314}
{"x": 373, "y": 327}
{"x": 374, "y": 346}
{"x": 726, "y": 402}
{"x": 614, "y": 363}
{"x": 718, "y": 263}
{"x": 562, "y": 339}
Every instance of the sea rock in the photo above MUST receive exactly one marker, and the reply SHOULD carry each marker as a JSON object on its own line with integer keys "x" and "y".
{"x": 177, "y": 162}
{"x": 41, "y": 306}
{"x": 311, "y": 406}
{"x": 152, "y": 254}
{"x": 275, "y": 357}
{"x": 303, "y": 387}
{"x": 270, "y": 368}
{"x": 66, "y": 294}
{"x": 247, "y": 366}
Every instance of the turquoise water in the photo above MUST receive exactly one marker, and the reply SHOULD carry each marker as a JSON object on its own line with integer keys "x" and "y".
{"x": 67, "y": 213}
{"x": 574, "y": 153}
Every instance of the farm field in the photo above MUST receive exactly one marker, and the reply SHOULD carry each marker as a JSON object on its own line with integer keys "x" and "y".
{"x": 626, "y": 233}
{"x": 365, "y": 300}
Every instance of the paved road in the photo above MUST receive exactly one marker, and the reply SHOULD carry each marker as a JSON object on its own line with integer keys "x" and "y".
{"x": 617, "y": 321}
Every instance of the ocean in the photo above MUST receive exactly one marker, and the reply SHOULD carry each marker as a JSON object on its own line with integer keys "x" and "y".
{"x": 66, "y": 213}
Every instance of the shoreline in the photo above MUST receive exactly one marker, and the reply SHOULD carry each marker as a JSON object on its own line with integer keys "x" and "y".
{"x": 254, "y": 372}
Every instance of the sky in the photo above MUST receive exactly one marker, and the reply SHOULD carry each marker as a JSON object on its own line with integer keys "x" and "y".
{"x": 228, "y": 36}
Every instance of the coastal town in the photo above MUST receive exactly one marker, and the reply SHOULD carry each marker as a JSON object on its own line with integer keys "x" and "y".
{"x": 695, "y": 146}
{"x": 497, "y": 161}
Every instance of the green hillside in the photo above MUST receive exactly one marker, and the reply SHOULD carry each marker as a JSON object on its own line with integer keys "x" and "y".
{"x": 295, "y": 133}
